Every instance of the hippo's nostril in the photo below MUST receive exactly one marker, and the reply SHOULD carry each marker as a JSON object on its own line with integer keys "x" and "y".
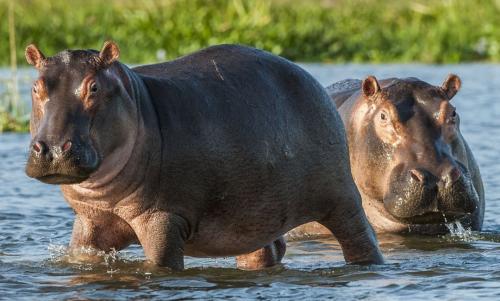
{"x": 66, "y": 146}
{"x": 417, "y": 176}
{"x": 39, "y": 147}
{"x": 452, "y": 175}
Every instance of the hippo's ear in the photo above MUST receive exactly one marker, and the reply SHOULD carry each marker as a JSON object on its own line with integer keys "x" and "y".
{"x": 370, "y": 86}
{"x": 34, "y": 56}
{"x": 109, "y": 53}
{"x": 451, "y": 85}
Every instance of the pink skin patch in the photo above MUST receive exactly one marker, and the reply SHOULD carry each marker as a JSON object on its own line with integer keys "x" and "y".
{"x": 66, "y": 146}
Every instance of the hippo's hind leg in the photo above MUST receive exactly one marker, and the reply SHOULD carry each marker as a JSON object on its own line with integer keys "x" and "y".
{"x": 348, "y": 223}
{"x": 265, "y": 257}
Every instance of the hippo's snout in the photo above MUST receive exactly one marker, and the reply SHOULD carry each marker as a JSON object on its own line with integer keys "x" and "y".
{"x": 69, "y": 162}
{"x": 426, "y": 179}
{"x": 418, "y": 196}
{"x": 451, "y": 176}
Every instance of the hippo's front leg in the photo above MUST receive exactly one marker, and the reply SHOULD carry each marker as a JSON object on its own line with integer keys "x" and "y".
{"x": 265, "y": 257}
{"x": 162, "y": 236}
{"x": 104, "y": 233}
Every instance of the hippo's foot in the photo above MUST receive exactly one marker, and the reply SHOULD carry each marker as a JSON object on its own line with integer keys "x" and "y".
{"x": 266, "y": 257}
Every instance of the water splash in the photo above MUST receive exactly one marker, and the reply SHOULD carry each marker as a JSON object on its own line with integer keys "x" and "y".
{"x": 84, "y": 258}
{"x": 457, "y": 230}
{"x": 56, "y": 252}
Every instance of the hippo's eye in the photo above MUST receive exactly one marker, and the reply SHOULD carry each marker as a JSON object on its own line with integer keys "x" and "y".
{"x": 93, "y": 88}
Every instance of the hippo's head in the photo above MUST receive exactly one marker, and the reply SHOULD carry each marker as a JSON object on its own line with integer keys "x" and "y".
{"x": 407, "y": 152}
{"x": 75, "y": 120}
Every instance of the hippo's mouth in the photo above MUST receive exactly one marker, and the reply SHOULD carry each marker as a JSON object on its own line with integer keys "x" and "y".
{"x": 433, "y": 218}
{"x": 64, "y": 170}
{"x": 59, "y": 179}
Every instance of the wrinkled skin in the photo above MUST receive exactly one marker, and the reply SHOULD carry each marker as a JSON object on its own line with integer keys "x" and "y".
{"x": 218, "y": 153}
{"x": 413, "y": 168}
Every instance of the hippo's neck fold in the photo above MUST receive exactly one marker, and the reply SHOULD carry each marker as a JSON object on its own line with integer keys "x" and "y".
{"x": 121, "y": 176}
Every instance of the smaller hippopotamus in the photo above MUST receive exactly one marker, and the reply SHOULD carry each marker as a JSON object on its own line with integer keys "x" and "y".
{"x": 218, "y": 153}
{"x": 412, "y": 165}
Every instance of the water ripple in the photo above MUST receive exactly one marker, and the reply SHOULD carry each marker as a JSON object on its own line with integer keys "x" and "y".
{"x": 36, "y": 223}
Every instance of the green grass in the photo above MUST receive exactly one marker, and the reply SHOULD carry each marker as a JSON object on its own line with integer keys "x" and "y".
{"x": 13, "y": 117}
{"x": 10, "y": 123}
{"x": 430, "y": 31}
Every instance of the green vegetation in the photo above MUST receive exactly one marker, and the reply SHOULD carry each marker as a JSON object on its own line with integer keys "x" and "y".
{"x": 429, "y": 31}
{"x": 9, "y": 123}
{"x": 13, "y": 117}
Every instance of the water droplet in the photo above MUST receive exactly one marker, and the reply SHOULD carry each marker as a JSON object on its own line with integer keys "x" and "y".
{"x": 457, "y": 230}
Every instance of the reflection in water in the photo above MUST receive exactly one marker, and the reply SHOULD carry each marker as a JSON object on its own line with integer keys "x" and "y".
{"x": 35, "y": 228}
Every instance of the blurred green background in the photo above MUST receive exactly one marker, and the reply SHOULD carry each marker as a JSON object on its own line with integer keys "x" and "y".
{"x": 439, "y": 31}
{"x": 328, "y": 31}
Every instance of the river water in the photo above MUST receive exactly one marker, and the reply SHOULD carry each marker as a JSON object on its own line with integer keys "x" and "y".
{"x": 35, "y": 227}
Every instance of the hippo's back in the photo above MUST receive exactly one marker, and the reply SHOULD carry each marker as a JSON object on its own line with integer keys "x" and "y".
{"x": 250, "y": 96}
{"x": 340, "y": 91}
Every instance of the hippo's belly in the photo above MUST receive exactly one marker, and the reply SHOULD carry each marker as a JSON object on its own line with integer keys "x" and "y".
{"x": 231, "y": 240}
{"x": 224, "y": 244}
{"x": 253, "y": 226}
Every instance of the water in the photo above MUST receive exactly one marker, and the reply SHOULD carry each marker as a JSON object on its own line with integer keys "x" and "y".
{"x": 35, "y": 227}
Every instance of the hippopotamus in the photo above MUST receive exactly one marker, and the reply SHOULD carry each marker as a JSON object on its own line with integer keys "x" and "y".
{"x": 412, "y": 166}
{"x": 217, "y": 153}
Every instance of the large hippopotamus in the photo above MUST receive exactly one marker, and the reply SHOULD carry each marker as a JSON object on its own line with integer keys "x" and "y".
{"x": 218, "y": 153}
{"x": 412, "y": 166}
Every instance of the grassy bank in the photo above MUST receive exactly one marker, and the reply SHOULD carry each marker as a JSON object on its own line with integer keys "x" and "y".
{"x": 431, "y": 31}
{"x": 428, "y": 31}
